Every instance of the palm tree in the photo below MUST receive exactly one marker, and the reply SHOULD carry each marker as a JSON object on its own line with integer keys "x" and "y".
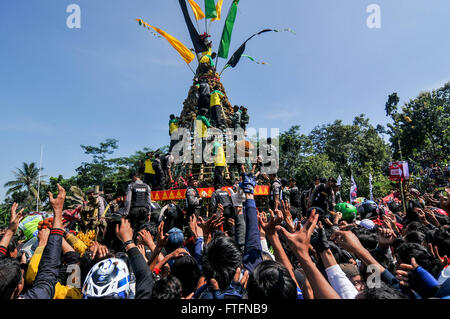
{"x": 27, "y": 179}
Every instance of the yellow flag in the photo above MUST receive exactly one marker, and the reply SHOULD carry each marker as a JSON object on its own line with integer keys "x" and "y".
{"x": 185, "y": 53}
{"x": 197, "y": 10}
{"x": 218, "y": 10}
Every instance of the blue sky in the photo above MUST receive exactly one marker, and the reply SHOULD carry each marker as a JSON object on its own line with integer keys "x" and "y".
{"x": 63, "y": 87}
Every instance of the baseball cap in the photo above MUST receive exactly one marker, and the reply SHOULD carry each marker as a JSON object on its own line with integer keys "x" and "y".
{"x": 176, "y": 238}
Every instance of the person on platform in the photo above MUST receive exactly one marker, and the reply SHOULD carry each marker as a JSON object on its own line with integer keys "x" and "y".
{"x": 219, "y": 162}
{"x": 149, "y": 172}
{"x": 173, "y": 129}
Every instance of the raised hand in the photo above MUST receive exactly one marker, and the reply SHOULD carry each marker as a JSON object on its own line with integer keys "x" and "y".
{"x": 386, "y": 236}
{"x": 57, "y": 205}
{"x": 300, "y": 241}
{"x": 347, "y": 240}
{"x": 161, "y": 239}
{"x": 15, "y": 218}
{"x": 402, "y": 274}
{"x": 146, "y": 238}
{"x": 124, "y": 232}
{"x": 269, "y": 227}
{"x": 58, "y": 202}
{"x": 98, "y": 251}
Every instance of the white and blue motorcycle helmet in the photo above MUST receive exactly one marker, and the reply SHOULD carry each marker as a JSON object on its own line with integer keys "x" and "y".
{"x": 108, "y": 279}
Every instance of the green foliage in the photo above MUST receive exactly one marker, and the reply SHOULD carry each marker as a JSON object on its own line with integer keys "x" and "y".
{"x": 421, "y": 130}
{"x": 337, "y": 149}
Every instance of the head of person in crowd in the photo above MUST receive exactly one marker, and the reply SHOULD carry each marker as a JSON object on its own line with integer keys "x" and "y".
{"x": 172, "y": 116}
{"x": 424, "y": 258}
{"x": 90, "y": 194}
{"x": 332, "y": 182}
{"x": 175, "y": 240}
{"x": 383, "y": 292}
{"x": 135, "y": 176}
{"x": 292, "y": 182}
{"x": 186, "y": 269}
{"x": 167, "y": 288}
{"x": 192, "y": 181}
{"x": 149, "y": 155}
{"x": 316, "y": 180}
{"x": 270, "y": 281}
{"x": 353, "y": 274}
{"x": 11, "y": 278}
{"x": 221, "y": 258}
{"x": 235, "y": 108}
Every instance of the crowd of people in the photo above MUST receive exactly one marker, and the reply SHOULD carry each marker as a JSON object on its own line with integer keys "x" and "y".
{"x": 305, "y": 244}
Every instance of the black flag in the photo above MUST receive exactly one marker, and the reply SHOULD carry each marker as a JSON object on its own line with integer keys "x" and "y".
{"x": 199, "y": 44}
{"x": 234, "y": 60}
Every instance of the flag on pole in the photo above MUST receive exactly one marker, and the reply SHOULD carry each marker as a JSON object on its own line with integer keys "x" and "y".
{"x": 199, "y": 44}
{"x": 185, "y": 53}
{"x": 228, "y": 30}
{"x": 218, "y": 10}
{"x": 210, "y": 9}
{"x": 353, "y": 191}
{"x": 199, "y": 14}
{"x": 370, "y": 187}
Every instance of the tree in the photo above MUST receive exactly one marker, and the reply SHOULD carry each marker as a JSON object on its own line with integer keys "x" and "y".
{"x": 23, "y": 188}
{"x": 421, "y": 129}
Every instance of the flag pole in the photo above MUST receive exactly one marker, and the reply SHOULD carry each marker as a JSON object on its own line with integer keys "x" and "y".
{"x": 191, "y": 68}
{"x": 39, "y": 180}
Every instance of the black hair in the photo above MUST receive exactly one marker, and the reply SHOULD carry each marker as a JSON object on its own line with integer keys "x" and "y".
{"x": 384, "y": 291}
{"x": 186, "y": 269}
{"x": 167, "y": 288}
{"x": 441, "y": 239}
{"x": 271, "y": 280}
{"x": 383, "y": 259}
{"x": 220, "y": 260}
{"x": 172, "y": 116}
{"x": 415, "y": 237}
{"x": 416, "y": 226}
{"x": 367, "y": 238}
{"x": 10, "y": 277}
{"x": 423, "y": 257}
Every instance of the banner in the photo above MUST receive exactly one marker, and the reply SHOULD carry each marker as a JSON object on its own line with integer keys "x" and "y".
{"x": 353, "y": 191}
{"x": 228, "y": 30}
{"x": 179, "y": 194}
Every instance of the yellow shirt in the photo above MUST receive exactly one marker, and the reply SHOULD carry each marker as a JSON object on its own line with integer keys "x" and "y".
{"x": 61, "y": 292}
{"x": 173, "y": 127}
{"x": 149, "y": 167}
{"x": 219, "y": 158}
{"x": 216, "y": 98}
{"x": 202, "y": 129}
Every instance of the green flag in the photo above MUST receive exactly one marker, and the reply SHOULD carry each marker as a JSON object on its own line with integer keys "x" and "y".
{"x": 228, "y": 30}
{"x": 210, "y": 9}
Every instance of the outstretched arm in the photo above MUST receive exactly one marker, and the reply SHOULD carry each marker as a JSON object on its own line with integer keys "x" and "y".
{"x": 47, "y": 276}
{"x": 14, "y": 221}
{"x": 300, "y": 243}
